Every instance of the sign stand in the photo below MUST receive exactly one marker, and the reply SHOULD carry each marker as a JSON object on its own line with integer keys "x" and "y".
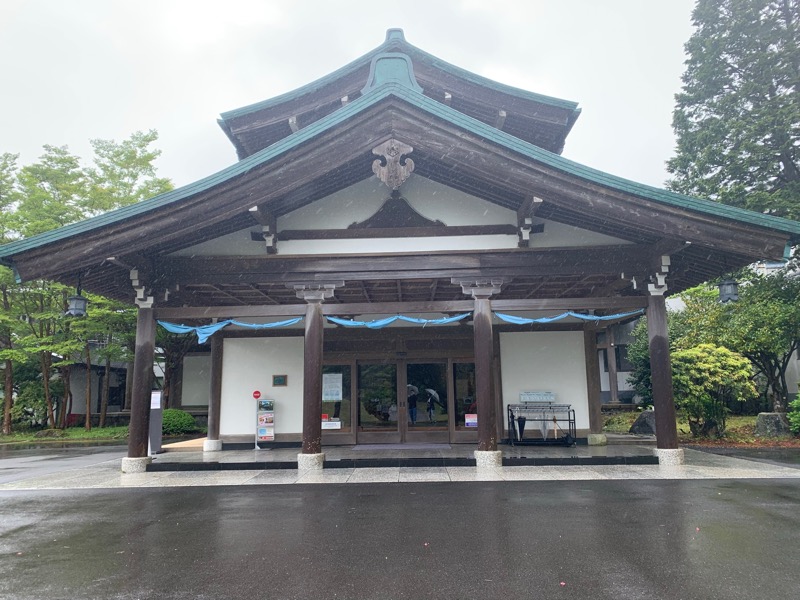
{"x": 265, "y": 420}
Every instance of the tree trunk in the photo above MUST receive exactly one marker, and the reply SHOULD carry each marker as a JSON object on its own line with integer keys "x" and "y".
{"x": 106, "y": 389}
{"x": 63, "y": 412}
{"x": 88, "y": 424}
{"x": 8, "y": 390}
{"x": 45, "y": 360}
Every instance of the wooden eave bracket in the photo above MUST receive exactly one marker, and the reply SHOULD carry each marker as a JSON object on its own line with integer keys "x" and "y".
{"x": 481, "y": 288}
{"x": 269, "y": 228}
{"x": 525, "y": 215}
{"x": 315, "y": 291}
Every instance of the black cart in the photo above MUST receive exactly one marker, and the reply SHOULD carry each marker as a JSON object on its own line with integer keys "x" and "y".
{"x": 555, "y": 422}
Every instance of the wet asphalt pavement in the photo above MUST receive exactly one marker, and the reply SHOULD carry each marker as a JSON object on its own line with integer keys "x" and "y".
{"x": 639, "y": 539}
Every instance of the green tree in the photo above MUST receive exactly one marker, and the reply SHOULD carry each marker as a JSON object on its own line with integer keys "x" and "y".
{"x": 737, "y": 118}
{"x": 55, "y": 191}
{"x": 51, "y": 192}
{"x": 706, "y": 379}
{"x": 764, "y": 326}
{"x": 123, "y": 173}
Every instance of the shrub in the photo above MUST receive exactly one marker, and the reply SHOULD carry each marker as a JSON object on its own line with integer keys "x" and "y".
{"x": 177, "y": 422}
{"x": 794, "y": 415}
{"x": 706, "y": 379}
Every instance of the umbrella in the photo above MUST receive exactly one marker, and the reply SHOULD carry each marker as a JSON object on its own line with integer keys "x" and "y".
{"x": 433, "y": 393}
{"x": 412, "y": 389}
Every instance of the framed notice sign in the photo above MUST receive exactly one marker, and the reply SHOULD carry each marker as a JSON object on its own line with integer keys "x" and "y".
{"x": 470, "y": 420}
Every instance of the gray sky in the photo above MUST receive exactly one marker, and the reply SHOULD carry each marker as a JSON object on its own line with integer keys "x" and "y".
{"x": 83, "y": 69}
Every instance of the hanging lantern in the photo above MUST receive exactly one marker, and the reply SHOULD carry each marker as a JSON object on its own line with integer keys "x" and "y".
{"x": 77, "y": 303}
{"x": 728, "y": 291}
{"x": 77, "y": 306}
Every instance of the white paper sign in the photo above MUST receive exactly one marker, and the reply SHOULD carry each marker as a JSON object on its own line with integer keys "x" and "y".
{"x": 331, "y": 387}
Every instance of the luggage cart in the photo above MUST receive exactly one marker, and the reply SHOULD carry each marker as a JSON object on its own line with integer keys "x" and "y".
{"x": 540, "y": 411}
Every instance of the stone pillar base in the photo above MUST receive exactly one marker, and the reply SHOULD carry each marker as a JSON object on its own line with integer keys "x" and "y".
{"x": 212, "y": 445}
{"x": 310, "y": 462}
{"x": 597, "y": 439}
{"x": 488, "y": 459}
{"x": 135, "y": 465}
{"x": 669, "y": 457}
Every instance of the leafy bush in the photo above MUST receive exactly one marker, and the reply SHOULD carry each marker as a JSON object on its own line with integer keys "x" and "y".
{"x": 178, "y": 422}
{"x": 706, "y": 378}
{"x": 29, "y": 408}
{"x": 794, "y": 415}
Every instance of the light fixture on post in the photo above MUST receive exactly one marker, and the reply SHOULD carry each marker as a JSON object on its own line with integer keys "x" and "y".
{"x": 728, "y": 290}
{"x": 77, "y": 303}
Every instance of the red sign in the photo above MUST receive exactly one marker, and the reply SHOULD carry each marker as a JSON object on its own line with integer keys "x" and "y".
{"x": 256, "y": 394}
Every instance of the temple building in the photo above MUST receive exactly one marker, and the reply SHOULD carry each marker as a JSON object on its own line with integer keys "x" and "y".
{"x": 398, "y": 255}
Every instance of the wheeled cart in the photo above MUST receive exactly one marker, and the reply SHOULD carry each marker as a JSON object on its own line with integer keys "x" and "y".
{"x": 555, "y": 422}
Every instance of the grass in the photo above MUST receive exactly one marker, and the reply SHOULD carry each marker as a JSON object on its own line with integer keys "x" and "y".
{"x": 70, "y": 434}
{"x": 740, "y": 431}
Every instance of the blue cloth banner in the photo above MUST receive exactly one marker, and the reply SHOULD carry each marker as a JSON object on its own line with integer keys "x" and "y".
{"x": 381, "y": 323}
{"x": 206, "y": 331}
{"x": 524, "y": 321}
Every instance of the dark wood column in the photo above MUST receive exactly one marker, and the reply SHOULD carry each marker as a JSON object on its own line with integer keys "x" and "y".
{"x": 215, "y": 391}
{"x": 593, "y": 380}
{"x": 481, "y": 291}
{"x": 142, "y": 382}
{"x": 312, "y": 378}
{"x": 661, "y": 372}
{"x": 313, "y": 294}
{"x": 484, "y": 351}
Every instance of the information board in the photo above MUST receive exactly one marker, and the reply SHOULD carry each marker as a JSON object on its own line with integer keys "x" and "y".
{"x": 265, "y": 421}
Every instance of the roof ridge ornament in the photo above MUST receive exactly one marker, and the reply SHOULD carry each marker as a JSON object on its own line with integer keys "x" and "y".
{"x": 391, "y": 67}
{"x": 393, "y": 170}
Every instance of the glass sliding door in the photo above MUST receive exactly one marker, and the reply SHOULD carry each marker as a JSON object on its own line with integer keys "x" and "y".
{"x": 379, "y": 412}
{"x": 426, "y": 391}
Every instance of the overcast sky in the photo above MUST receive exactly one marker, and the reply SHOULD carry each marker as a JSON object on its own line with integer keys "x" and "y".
{"x": 83, "y": 69}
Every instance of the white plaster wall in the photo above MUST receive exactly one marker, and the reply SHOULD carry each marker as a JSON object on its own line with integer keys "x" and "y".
{"x": 77, "y": 383}
{"x": 249, "y": 364}
{"x": 196, "y": 381}
{"x": 545, "y": 361}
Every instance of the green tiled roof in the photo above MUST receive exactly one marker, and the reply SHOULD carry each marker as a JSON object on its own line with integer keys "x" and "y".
{"x": 439, "y": 110}
{"x": 395, "y": 41}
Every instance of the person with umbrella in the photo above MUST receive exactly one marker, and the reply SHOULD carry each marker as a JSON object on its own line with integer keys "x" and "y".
{"x": 433, "y": 396}
{"x": 413, "y": 392}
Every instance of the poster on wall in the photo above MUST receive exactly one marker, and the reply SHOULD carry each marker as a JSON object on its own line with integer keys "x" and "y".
{"x": 265, "y": 421}
{"x": 331, "y": 387}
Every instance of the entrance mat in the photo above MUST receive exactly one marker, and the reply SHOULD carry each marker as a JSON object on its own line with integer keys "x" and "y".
{"x": 402, "y": 447}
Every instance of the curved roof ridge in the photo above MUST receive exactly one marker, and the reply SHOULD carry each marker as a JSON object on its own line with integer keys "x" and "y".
{"x": 395, "y": 41}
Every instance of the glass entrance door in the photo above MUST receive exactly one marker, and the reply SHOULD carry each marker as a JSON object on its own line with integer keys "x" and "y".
{"x": 426, "y": 390}
{"x": 403, "y": 401}
{"x": 379, "y": 412}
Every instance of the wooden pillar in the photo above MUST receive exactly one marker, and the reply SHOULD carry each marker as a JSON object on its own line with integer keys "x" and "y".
{"x": 142, "y": 382}
{"x": 215, "y": 391}
{"x": 483, "y": 339}
{"x": 484, "y": 351}
{"x": 312, "y": 378}
{"x": 593, "y": 380}
{"x": 661, "y": 372}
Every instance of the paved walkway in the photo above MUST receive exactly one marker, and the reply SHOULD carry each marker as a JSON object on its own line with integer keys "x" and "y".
{"x": 106, "y": 474}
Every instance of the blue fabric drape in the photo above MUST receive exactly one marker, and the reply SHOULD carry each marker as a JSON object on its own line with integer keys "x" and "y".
{"x": 206, "y": 331}
{"x": 523, "y": 321}
{"x": 381, "y": 323}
